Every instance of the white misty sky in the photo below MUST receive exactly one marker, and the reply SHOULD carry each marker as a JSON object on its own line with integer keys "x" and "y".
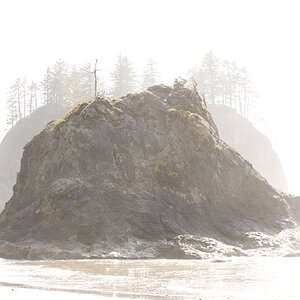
{"x": 259, "y": 34}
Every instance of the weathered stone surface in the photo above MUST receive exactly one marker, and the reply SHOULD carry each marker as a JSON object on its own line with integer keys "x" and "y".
{"x": 144, "y": 176}
{"x": 240, "y": 134}
{"x": 11, "y": 148}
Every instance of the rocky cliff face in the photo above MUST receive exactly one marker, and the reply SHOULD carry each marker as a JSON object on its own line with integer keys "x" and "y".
{"x": 11, "y": 148}
{"x": 143, "y": 176}
{"x": 241, "y": 135}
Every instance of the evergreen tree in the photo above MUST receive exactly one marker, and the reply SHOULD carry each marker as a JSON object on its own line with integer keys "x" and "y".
{"x": 150, "y": 74}
{"x": 228, "y": 83}
{"x": 16, "y": 92}
{"x": 12, "y": 106}
{"x": 123, "y": 78}
{"x": 33, "y": 99}
{"x": 59, "y": 83}
{"x": 210, "y": 74}
{"x": 74, "y": 83}
{"x": 14, "y": 103}
{"x": 87, "y": 81}
{"x": 246, "y": 92}
{"x": 24, "y": 96}
{"x": 196, "y": 74}
{"x": 45, "y": 87}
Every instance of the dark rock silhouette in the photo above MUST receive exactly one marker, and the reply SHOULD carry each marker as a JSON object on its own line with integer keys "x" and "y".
{"x": 143, "y": 176}
{"x": 240, "y": 134}
{"x": 11, "y": 148}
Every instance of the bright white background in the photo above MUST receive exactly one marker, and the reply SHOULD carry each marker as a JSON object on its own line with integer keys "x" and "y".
{"x": 262, "y": 35}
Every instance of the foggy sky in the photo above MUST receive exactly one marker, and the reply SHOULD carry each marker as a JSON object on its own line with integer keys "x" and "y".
{"x": 261, "y": 35}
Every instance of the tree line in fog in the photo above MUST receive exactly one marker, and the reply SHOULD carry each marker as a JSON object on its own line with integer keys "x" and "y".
{"x": 219, "y": 82}
{"x": 223, "y": 82}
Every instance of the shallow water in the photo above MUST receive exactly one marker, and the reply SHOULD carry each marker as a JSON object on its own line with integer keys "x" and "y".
{"x": 235, "y": 278}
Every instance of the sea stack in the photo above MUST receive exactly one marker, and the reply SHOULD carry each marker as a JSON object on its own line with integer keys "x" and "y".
{"x": 146, "y": 175}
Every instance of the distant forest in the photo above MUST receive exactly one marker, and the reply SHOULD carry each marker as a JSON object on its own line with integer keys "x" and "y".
{"x": 218, "y": 82}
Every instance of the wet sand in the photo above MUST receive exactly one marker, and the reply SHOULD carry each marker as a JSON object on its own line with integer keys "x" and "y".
{"x": 13, "y": 293}
{"x": 244, "y": 278}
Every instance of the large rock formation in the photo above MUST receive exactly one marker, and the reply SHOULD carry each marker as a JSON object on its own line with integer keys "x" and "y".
{"x": 241, "y": 135}
{"x": 11, "y": 148}
{"x": 143, "y": 176}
